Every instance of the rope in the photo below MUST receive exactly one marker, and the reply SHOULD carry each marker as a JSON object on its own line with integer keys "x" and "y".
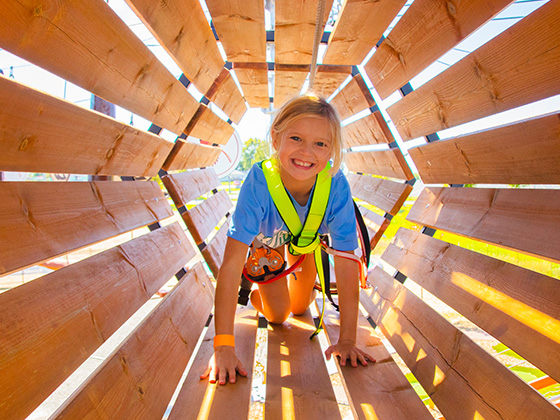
{"x": 316, "y": 42}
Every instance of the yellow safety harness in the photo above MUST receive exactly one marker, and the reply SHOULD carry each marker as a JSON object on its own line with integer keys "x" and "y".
{"x": 304, "y": 238}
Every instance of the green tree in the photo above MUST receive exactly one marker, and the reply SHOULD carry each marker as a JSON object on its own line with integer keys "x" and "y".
{"x": 254, "y": 150}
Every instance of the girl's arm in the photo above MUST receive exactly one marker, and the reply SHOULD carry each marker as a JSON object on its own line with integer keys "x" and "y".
{"x": 224, "y": 362}
{"x": 347, "y": 278}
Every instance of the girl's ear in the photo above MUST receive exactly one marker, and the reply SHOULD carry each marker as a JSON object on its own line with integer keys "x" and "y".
{"x": 275, "y": 136}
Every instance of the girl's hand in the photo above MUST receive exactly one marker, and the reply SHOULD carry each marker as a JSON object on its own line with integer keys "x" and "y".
{"x": 348, "y": 350}
{"x": 222, "y": 364}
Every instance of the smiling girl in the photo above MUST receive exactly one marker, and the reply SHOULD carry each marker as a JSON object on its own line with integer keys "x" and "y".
{"x": 307, "y": 139}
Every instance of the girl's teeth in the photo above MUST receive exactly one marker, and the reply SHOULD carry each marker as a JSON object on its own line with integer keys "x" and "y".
{"x": 300, "y": 163}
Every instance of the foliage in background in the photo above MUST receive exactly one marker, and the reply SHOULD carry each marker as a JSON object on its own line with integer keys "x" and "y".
{"x": 254, "y": 151}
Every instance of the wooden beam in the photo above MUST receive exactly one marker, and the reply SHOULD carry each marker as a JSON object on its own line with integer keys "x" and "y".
{"x": 355, "y": 33}
{"x": 213, "y": 252}
{"x": 517, "y": 67}
{"x": 387, "y": 195}
{"x": 294, "y": 30}
{"x": 253, "y": 78}
{"x": 240, "y": 28}
{"x": 353, "y": 98}
{"x": 58, "y": 320}
{"x": 141, "y": 376}
{"x": 202, "y": 219}
{"x": 297, "y": 382}
{"x": 371, "y": 129}
{"x": 207, "y": 126}
{"x": 182, "y": 29}
{"x": 518, "y": 307}
{"x": 42, "y": 220}
{"x": 390, "y": 163}
{"x": 187, "y": 186}
{"x": 523, "y": 153}
{"x": 185, "y": 155}
{"x": 201, "y": 399}
{"x": 427, "y": 30}
{"x": 393, "y": 398}
{"x": 226, "y": 95}
{"x": 329, "y": 78}
{"x": 518, "y": 219}
{"x": 462, "y": 379}
{"x": 288, "y": 82}
{"x": 41, "y": 133}
{"x": 87, "y": 44}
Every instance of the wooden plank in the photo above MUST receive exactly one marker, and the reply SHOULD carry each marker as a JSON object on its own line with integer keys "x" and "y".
{"x": 213, "y": 252}
{"x": 519, "y": 307}
{"x": 201, "y": 399}
{"x": 140, "y": 378}
{"x": 523, "y": 153}
{"x": 225, "y": 94}
{"x": 356, "y": 33}
{"x": 294, "y": 30}
{"x": 463, "y": 380}
{"x": 392, "y": 398}
{"x": 376, "y": 224}
{"x": 517, "y": 67}
{"x": 253, "y": 79}
{"x": 519, "y": 219}
{"x": 390, "y": 163}
{"x": 206, "y": 125}
{"x": 353, "y": 98}
{"x": 42, "y": 220}
{"x": 426, "y": 31}
{"x": 288, "y": 82}
{"x": 329, "y": 78}
{"x": 41, "y": 133}
{"x": 371, "y": 129}
{"x": 185, "y": 155}
{"x": 182, "y": 29}
{"x": 240, "y": 27}
{"x": 187, "y": 186}
{"x": 297, "y": 382}
{"x": 203, "y": 219}
{"x": 387, "y": 195}
{"x": 85, "y": 303}
{"x": 88, "y": 44}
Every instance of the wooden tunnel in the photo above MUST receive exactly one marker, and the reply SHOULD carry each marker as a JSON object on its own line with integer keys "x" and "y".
{"x": 52, "y": 325}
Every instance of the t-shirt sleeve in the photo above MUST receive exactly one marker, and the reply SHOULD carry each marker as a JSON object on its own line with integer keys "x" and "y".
{"x": 248, "y": 212}
{"x": 341, "y": 221}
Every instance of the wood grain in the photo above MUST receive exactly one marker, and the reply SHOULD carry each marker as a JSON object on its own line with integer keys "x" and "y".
{"x": 389, "y": 163}
{"x": 140, "y": 378}
{"x": 353, "y": 98}
{"x": 58, "y": 320}
{"x": 201, "y": 399}
{"x": 462, "y": 379}
{"x": 523, "y": 153}
{"x": 213, "y": 253}
{"x": 182, "y": 29}
{"x": 40, "y": 133}
{"x": 86, "y": 43}
{"x": 329, "y": 78}
{"x": 371, "y": 129}
{"x": 207, "y": 126}
{"x": 355, "y": 32}
{"x": 517, "y": 67}
{"x": 376, "y": 224}
{"x": 518, "y": 219}
{"x": 391, "y": 398}
{"x": 288, "y": 82}
{"x": 42, "y": 220}
{"x": 240, "y": 27}
{"x": 185, "y": 155}
{"x": 203, "y": 219}
{"x": 226, "y": 95}
{"x": 294, "y": 30}
{"x": 387, "y": 195}
{"x": 298, "y": 384}
{"x": 517, "y": 306}
{"x": 187, "y": 186}
{"x": 253, "y": 78}
{"x": 427, "y": 30}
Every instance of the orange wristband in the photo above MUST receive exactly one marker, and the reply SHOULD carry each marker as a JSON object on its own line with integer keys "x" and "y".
{"x": 224, "y": 340}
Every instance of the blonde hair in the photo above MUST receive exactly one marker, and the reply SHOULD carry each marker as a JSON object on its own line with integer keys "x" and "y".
{"x": 312, "y": 105}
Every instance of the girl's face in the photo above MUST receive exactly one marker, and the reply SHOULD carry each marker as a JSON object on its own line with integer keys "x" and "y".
{"x": 304, "y": 148}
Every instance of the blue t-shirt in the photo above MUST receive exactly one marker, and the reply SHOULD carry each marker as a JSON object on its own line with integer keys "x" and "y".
{"x": 256, "y": 216}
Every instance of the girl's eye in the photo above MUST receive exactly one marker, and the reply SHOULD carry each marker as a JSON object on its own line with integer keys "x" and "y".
{"x": 296, "y": 138}
{"x": 322, "y": 144}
